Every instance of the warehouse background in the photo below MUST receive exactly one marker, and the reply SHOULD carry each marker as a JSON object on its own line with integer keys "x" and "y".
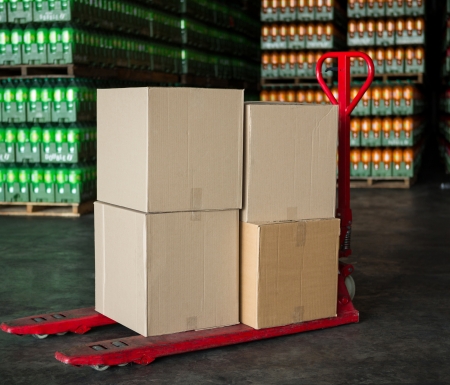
{"x": 48, "y": 264}
{"x": 400, "y": 113}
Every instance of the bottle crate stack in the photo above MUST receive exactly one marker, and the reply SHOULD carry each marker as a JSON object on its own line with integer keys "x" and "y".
{"x": 218, "y": 41}
{"x": 207, "y": 38}
{"x": 48, "y": 121}
{"x": 48, "y": 139}
{"x": 294, "y": 34}
{"x": 387, "y": 126}
{"x": 444, "y": 120}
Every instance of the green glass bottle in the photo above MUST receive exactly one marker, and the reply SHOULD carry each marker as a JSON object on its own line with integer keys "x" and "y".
{"x": 50, "y": 182}
{"x": 48, "y": 147}
{"x": 8, "y": 144}
{"x": 74, "y": 142}
{"x": 3, "y": 14}
{"x": 5, "y": 38}
{"x": 2, "y": 182}
{"x": 37, "y": 180}
{"x": 23, "y": 138}
{"x": 61, "y": 139}
{"x": 55, "y": 53}
{"x": 21, "y": 100}
{"x": 36, "y": 139}
{"x": 59, "y": 95}
{"x": 62, "y": 192}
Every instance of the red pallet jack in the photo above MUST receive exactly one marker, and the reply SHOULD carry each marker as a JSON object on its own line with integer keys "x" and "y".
{"x": 143, "y": 350}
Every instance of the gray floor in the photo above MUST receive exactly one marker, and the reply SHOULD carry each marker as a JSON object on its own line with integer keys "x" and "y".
{"x": 401, "y": 244}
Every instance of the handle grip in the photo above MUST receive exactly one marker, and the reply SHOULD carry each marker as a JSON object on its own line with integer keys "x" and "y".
{"x": 344, "y": 68}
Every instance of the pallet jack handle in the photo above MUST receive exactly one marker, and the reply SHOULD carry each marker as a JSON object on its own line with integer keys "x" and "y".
{"x": 343, "y": 211}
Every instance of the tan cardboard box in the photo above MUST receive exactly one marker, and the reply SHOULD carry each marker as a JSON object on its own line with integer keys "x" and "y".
{"x": 288, "y": 272}
{"x": 167, "y": 273}
{"x": 289, "y": 162}
{"x": 170, "y": 149}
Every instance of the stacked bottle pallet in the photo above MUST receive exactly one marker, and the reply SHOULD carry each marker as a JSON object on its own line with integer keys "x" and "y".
{"x": 295, "y": 33}
{"x": 218, "y": 40}
{"x": 47, "y": 141}
{"x": 123, "y": 34}
{"x": 54, "y": 54}
{"x": 387, "y": 126}
{"x": 444, "y": 121}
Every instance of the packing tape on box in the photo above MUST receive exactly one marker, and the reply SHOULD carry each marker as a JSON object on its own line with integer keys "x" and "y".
{"x": 291, "y": 213}
{"x": 191, "y": 323}
{"x": 196, "y": 198}
{"x": 301, "y": 234}
{"x": 297, "y": 315}
{"x": 196, "y": 216}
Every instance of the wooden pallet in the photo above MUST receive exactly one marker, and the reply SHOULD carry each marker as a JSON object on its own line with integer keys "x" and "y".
{"x": 295, "y": 81}
{"x": 74, "y": 70}
{"x": 44, "y": 70}
{"x": 378, "y": 182}
{"x": 46, "y": 209}
{"x": 413, "y": 78}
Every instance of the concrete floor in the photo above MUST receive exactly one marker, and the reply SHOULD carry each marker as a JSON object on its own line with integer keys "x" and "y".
{"x": 401, "y": 244}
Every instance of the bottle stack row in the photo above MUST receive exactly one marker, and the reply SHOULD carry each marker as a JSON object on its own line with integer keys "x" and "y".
{"x": 385, "y": 129}
{"x": 208, "y": 38}
{"x": 388, "y": 122}
{"x": 295, "y": 33}
{"x": 389, "y": 117}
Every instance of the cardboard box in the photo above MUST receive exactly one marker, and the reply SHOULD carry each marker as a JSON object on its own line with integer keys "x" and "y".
{"x": 289, "y": 162}
{"x": 170, "y": 149}
{"x": 167, "y": 273}
{"x": 288, "y": 272}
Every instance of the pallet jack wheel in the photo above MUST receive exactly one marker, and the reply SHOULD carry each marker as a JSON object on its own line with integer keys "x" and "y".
{"x": 40, "y": 336}
{"x": 351, "y": 286}
{"x": 100, "y": 368}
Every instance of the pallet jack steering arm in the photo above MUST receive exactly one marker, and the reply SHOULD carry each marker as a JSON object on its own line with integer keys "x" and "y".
{"x": 343, "y": 211}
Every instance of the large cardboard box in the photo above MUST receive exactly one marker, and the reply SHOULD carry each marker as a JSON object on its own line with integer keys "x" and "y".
{"x": 170, "y": 149}
{"x": 288, "y": 272}
{"x": 289, "y": 162}
{"x": 167, "y": 273}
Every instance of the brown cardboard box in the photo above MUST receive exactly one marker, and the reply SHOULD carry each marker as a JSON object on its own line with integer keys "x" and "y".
{"x": 167, "y": 273}
{"x": 289, "y": 162}
{"x": 170, "y": 149}
{"x": 288, "y": 272}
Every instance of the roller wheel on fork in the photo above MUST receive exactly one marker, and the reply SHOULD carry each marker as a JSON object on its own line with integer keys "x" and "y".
{"x": 40, "y": 336}
{"x": 351, "y": 286}
{"x": 100, "y": 368}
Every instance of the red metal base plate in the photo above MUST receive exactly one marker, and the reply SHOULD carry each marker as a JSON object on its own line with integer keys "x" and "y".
{"x": 144, "y": 350}
{"x": 76, "y": 321}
